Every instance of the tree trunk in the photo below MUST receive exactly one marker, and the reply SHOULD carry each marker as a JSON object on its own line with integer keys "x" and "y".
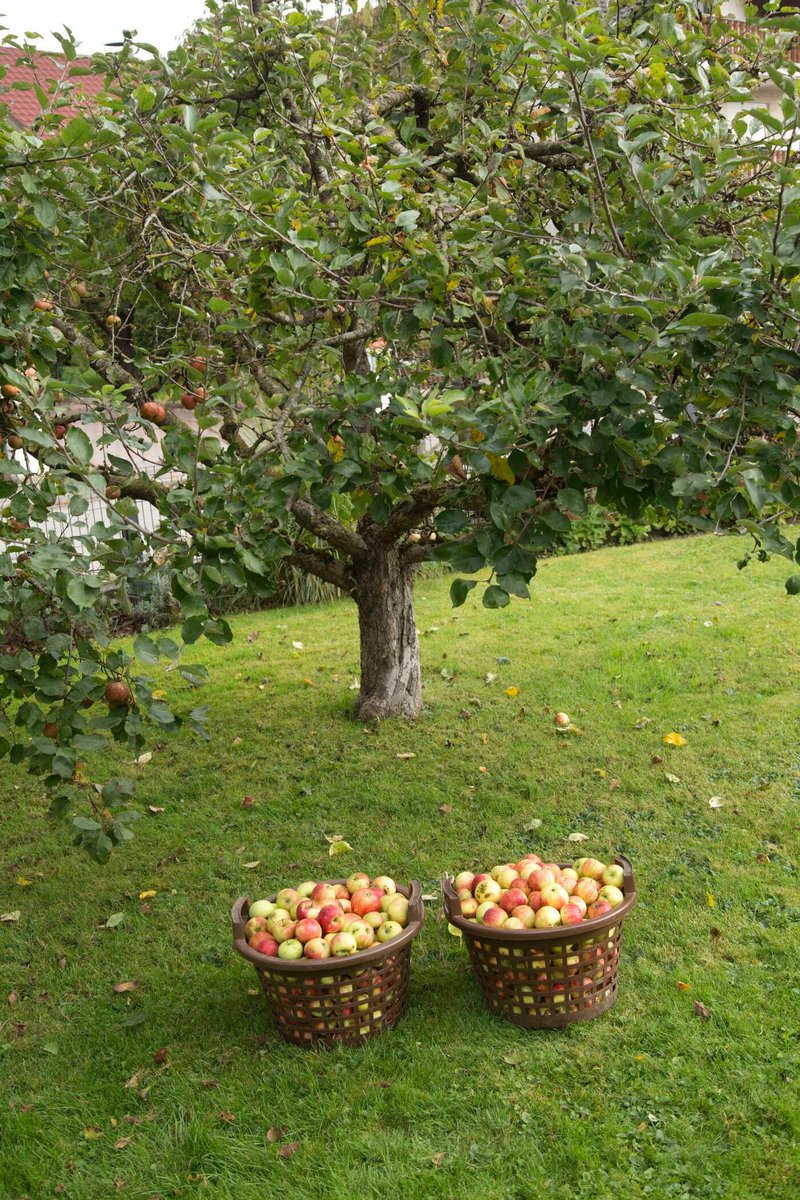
{"x": 391, "y": 683}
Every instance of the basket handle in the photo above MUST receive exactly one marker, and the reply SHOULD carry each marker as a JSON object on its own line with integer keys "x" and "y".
{"x": 628, "y": 881}
{"x": 415, "y": 905}
{"x": 239, "y": 917}
{"x": 451, "y": 906}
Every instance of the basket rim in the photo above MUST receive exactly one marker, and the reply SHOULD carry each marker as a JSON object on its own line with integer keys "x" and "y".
{"x": 329, "y": 966}
{"x": 570, "y": 933}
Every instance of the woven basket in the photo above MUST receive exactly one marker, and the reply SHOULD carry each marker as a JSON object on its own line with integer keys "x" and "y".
{"x": 336, "y": 1001}
{"x": 547, "y": 978}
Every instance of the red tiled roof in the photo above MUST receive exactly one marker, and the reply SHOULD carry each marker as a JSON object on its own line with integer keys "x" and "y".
{"x": 44, "y": 69}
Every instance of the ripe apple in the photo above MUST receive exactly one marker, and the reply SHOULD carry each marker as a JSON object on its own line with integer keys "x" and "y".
{"x": 286, "y": 898}
{"x": 331, "y": 918}
{"x": 464, "y": 879}
{"x": 343, "y": 944}
{"x": 388, "y": 930}
{"x": 341, "y": 892}
{"x": 464, "y": 893}
{"x": 479, "y": 879}
{"x": 494, "y": 916}
{"x": 507, "y": 876}
{"x": 598, "y": 909}
{"x": 345, "y": 905}
{"x": 562, "y": 720}
{"x": 579, "y": 903}
{"x": 363, "y": 933}
{"x": 307, "y": 930}
{"x": 469, "y": 907}
{"x": 587, "y": 889}
{"x": 512, "y": 899}
{"x": 397, "y": 910}
{"x": 323, "y": 893}
{"x": 612, "y": 894}
{"x": 264, "y": 944}
{"x": 328, "y": 938}
{"x": 576, "y": 866}
{"x": 255, "y": 925}
{"x": 488, "y": 889}
{"x": 306, "y": 890}
{"x": 535, "y": 901}
{"x": 540, "y": 878}
{"x": 527, "y": 869}
{"x": 547, "y": 917}
{"x": 357, "y": 880}
{"x": 568, "y": 879}
{"x": 513, "y": 923}
{"x": 526, "y": 915}
{"x": 571, "y": 914}
{"x": 384, "y": 884}
{"x": 303, "y": 908}
{"x": 261, "y": 908}
{"x": 497, "y": 871}
{"x": 614, "y": 875}
{"x": 317, "y": 948}
{"x": 592, "y": 868}
{"x": 283, "y": 932}
{"x": 366, "y": 900}
{"x": 117, "y": 692}
{"x": 555, "y": 895}
{"x": 290, "y": 949}
{"x": 374, "y": 919}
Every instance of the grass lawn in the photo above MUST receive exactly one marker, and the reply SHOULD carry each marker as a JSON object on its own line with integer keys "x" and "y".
{"x": 650, "y": 1100}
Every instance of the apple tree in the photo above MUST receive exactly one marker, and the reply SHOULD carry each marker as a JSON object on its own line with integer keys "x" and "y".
{"x": 383, "y": 288}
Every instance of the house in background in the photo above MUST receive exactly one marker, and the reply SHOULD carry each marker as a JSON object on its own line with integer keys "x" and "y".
{"x": 73, "y": 80}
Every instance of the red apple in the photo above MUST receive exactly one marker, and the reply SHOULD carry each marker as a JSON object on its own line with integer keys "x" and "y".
{"x": 592, "y": 868}
{"x": 493, "y": 916}
{"x": 555, "y": 895}
{"x": 479, "y": 879}
{"x": 302, "y": 908}
{"x": 526, "y": 869}
{"x": 599, "y": 909}
{"x": 526, "y": 915}
{"x": 464, "y": 879}
{"x": 535, "y": 901}
{"x": 264, "y": 944}
{"x": 511, "y": 900}
{"x": 283, "y": 932}
{"x": 317, "y": 948}
{"x": 464, "y": 893}
{"x": 323, "y": 893}
{"x": 308, "y": 930}
{"x": 341, "y": 892}
{"x": 587, "y": 889}
{"x": 345, "y": 905}
{"x": 331, "y": 918}
{"x": 366, "y": 900}
{"x": 580, "y": 903}
{"x": 571, "y": 914}
{"x": 562, "y": 720}
{"x": 540, "y": 878}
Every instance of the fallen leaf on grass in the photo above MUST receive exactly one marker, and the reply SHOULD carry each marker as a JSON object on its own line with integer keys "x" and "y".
{"x": 613, "y": 785}
{"x": 91, "y": 1132}
{"x": 599, "y": 772}
{"x": 12, "y": 997}
{"x": 445, "y": 809}
{"x": 408, "y": 754}
{"x": 144, "y": 759}
{"x": 147, "y": 895}
{"x": 491, "y": 676}
{"x": 248, "y": 802}
{"x": 483, "y": 770}
{"x": 532, "y": 825}
{"x": 130, "y": 986}
{"x": 197, "y": 1177}
{"x": 578, "y": 837}
{"x": 336, "y": 844}
{"x": 288, "y": 1150}
{"x": 298, "y": 646}
{"x": 716, "y": 802}
{"x": 354, "y": 685}
{"x": 514, "y": 1058}
{"x": 701, "y": 1010}
{"x": 452, "y": 929}
{"x": 438, "y": 1159}
{"x": 710, "y": 901}
{"x": 656, "y": 758}
{"x": 672, "y": 778}
{"x": 50, "y": 1048}
{"x": 684, "y": 987}
{"x": 155, "y": 808}
{"x": 62, "y": 962}
{"x": 275, "y": 1135}
{"x": 512, "y": 691}
{"x": 21, "y": 881}
{"x": 121, "y": 1143}
{"x": 251, "y": 866}
{"x": 227, "y": 1117}
{"x": 209, "y": 1083}
{"x": 10, "y": 917}
{"x": 642, "y": 723}
{"x": 307, "y": 682}
{"x": 673, "y": 739}
{"x": 134, "y": 1080}
{"x": 385, "y": 1083}
{"x": 716, "y": 934}
{"x": 114, "y": 920}
{"x": 161, "y": 1055}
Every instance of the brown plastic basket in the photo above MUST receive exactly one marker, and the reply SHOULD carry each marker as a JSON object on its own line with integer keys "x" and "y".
{"x": 336, "y": 1001}
{"x": 547, "y": 978}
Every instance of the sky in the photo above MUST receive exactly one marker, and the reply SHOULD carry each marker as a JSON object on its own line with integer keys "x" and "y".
{"x": 96, "y": 22}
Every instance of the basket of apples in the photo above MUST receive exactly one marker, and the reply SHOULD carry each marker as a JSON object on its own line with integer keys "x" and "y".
{"x": 544, "y": 938}
{"x": 333, "y": 958}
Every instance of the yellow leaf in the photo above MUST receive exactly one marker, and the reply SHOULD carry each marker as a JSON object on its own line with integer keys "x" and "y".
{"x": 477, "y": 436}
{"x": 500, "y": 468}
{"x": 483, "y": 770}
{"x": 147, "y": 895}
{"x": 159, "y": 695}
{"x": 21, "y": 881}
{"x": 338, "y": 848}
{"x": 453, "y": 282}
{"x": 335, "y": 449}
{"x": 512, "y": 691}
{"x": 378, "y": 241}
{"x": 640, "y": 1057}
{"x": 91, "y": 1132}
{"x": 673, "y": 739}
{"x": 308, "y": 682}
{"x": 452, "y": 929}
{"x": 599, "y": 772}
{"x": 710, "y": 900}
{"x": 684, "y": 987}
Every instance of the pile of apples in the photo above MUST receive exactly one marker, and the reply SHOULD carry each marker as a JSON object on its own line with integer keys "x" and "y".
{"x": 531, "y": 894}
{"x": 327, "y": 920}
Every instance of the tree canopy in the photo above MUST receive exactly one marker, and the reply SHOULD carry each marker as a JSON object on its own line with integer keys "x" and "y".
{"x": 427, "y": 278}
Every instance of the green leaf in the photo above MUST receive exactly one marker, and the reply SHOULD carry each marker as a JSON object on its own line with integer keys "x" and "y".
{"x": 460, "y": 589}
{"x": 146, "y": 650}
{"x": 793, "y": 585}
{"x": 145, "y": 97}
{"x": 45, "y": 212}
{"x": 495, "y": 597}
{"x": 83, "y": 591}
{"x": 571, "y": 500}
{"x": 79, "y": 445}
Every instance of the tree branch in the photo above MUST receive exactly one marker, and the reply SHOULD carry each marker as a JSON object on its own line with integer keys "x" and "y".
{"x": 324, "y": 566}
{"x": 326, "y": 527}
{"x": 102, "y": 361}
{"x": 409, "y": 513}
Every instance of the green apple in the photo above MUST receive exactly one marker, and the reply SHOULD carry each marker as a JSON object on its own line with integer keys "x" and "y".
{"x": 614, "y": 875}
{"x": 388, "y": 930}
{"x": 261, "y": 908}
{"x": 290, "y": 949}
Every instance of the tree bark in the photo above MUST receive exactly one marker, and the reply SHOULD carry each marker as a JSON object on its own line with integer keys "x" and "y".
{"x": 391, "y": 682}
